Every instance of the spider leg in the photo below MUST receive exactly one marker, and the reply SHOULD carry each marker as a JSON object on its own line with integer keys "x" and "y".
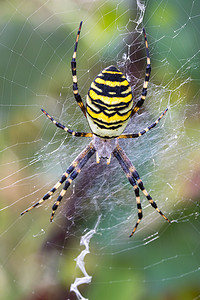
{"x": 141, "y": 186}
{"x": 136, "y": 135}
{"x": 74, "y": 76}
{"x": 72, "y": 132}
{"x": 89, "y": 151}
{"x": 131, "y": 172}
{"x": 55, "y": 187}
{"x": 71, "y": 168}
{"x": 134, "y": 184}
{"x": 146, "y": 80}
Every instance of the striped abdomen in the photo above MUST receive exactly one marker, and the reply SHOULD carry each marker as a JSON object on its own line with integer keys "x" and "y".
{"x": 109, "y": 103}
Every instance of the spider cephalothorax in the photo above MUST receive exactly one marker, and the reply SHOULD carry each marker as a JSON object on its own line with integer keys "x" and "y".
{"x": 109, "y": 106}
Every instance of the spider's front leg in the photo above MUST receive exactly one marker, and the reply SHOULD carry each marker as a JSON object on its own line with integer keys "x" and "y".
{"x": 132, "y": 181}
{"x": 74, "y": 170}
{"x": 136, "y": 182}
{"x": 147, "y": 195}
{"x": 84, "y": 157}
{"x": 54, "y": 189}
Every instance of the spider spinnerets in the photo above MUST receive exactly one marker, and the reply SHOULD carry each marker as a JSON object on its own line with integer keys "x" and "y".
{"x": 109, "y": 106}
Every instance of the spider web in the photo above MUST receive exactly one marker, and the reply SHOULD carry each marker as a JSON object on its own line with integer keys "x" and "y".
{"x": 86, "y": 249}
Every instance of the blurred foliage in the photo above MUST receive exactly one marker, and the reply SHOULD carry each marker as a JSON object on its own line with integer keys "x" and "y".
{"x": 36, "y": 44}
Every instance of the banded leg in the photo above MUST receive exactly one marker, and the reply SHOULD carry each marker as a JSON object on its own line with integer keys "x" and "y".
{"x": 74, "y": 76}
{"x": 72, "y": 132}
{"x": 147, "y": 195}
{"x": 128, "y": 167}
{"x": 55, "y": 187}
{"x": 74, "y": 174}
{"x": 136, "y": 135}
{"x": 75, "y": 163}
{"x": 135, "y": 187}
{"x": 146, "y": 80}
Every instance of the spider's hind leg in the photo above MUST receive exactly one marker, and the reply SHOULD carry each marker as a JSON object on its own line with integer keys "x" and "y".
{"x": 146, "y": 80}
{"x": 77, "y": 96}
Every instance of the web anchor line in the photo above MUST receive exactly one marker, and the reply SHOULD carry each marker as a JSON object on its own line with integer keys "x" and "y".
{"x": 85, "y": 240}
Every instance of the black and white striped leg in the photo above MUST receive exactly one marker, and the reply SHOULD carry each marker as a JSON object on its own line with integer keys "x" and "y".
{"x": 70, "y": 131}
{"x": 136, "y": 135}
{"x": 63, "y": 178}
{"x": 146, "y": 80}
{"x": 74, "y": 76}
{"x": 147, "y": 195}
{"x": 133, "y": 176}
{"x": 55, "y": 187}
{"x": 132, "y": 181}
{"x": 90, "y": 150}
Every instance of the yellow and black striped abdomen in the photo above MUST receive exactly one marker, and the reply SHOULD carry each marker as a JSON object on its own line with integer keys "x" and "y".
{"x": 109, "y": 103}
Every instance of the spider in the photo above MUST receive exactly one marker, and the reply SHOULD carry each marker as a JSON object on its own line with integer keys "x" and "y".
{"x": 109, "y": 106}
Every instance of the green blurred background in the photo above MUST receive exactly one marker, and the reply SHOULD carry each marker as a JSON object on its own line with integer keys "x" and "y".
{"x": 36, "y": 46}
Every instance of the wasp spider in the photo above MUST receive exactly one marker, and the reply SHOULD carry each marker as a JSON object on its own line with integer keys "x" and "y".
{"x": 109, "y": 106}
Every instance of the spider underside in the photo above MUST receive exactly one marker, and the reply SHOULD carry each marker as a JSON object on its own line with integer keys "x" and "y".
{"x": 109, "y": 107}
